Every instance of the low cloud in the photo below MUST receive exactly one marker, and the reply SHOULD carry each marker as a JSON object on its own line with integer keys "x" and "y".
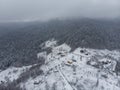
{"x": 27, "y": 10}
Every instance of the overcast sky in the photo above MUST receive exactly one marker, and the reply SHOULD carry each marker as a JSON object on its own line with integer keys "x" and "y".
{"x": 25, "y": 10}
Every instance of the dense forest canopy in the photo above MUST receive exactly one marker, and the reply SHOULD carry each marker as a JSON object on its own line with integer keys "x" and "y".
{"x": 20, "y": 42}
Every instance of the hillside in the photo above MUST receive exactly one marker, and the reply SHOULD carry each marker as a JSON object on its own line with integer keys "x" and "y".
{"x": 81, "y": 69}
{"x": 20, "y": 42}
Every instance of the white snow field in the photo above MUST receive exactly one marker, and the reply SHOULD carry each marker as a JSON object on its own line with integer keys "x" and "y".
{"x": 77, "y": 70}
{"x": 12, "y": 73}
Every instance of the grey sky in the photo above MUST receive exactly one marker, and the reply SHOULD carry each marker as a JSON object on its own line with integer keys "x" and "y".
{"x": 25, "y": 10}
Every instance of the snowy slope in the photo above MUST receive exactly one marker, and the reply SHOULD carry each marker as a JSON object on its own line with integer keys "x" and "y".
{"x": 82, "y": 69}
{"x": 11, "y": 74}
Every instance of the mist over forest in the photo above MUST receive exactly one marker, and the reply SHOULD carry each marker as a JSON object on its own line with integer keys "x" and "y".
{"x": 20, "y": 42}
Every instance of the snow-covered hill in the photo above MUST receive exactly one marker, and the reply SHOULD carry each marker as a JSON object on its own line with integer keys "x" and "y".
{"x": 12, "y": 74}
{"x": 81, "y": 69}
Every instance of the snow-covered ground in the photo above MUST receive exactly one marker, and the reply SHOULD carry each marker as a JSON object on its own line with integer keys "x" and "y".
{"x": 65, "y": 70}
{"x": 12, "y": 73}
{"x": 82, "y": 69}
{"x": 50, "y": 43}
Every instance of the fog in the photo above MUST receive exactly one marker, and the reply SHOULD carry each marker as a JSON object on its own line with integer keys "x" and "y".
{"x": 29, "y": 10}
